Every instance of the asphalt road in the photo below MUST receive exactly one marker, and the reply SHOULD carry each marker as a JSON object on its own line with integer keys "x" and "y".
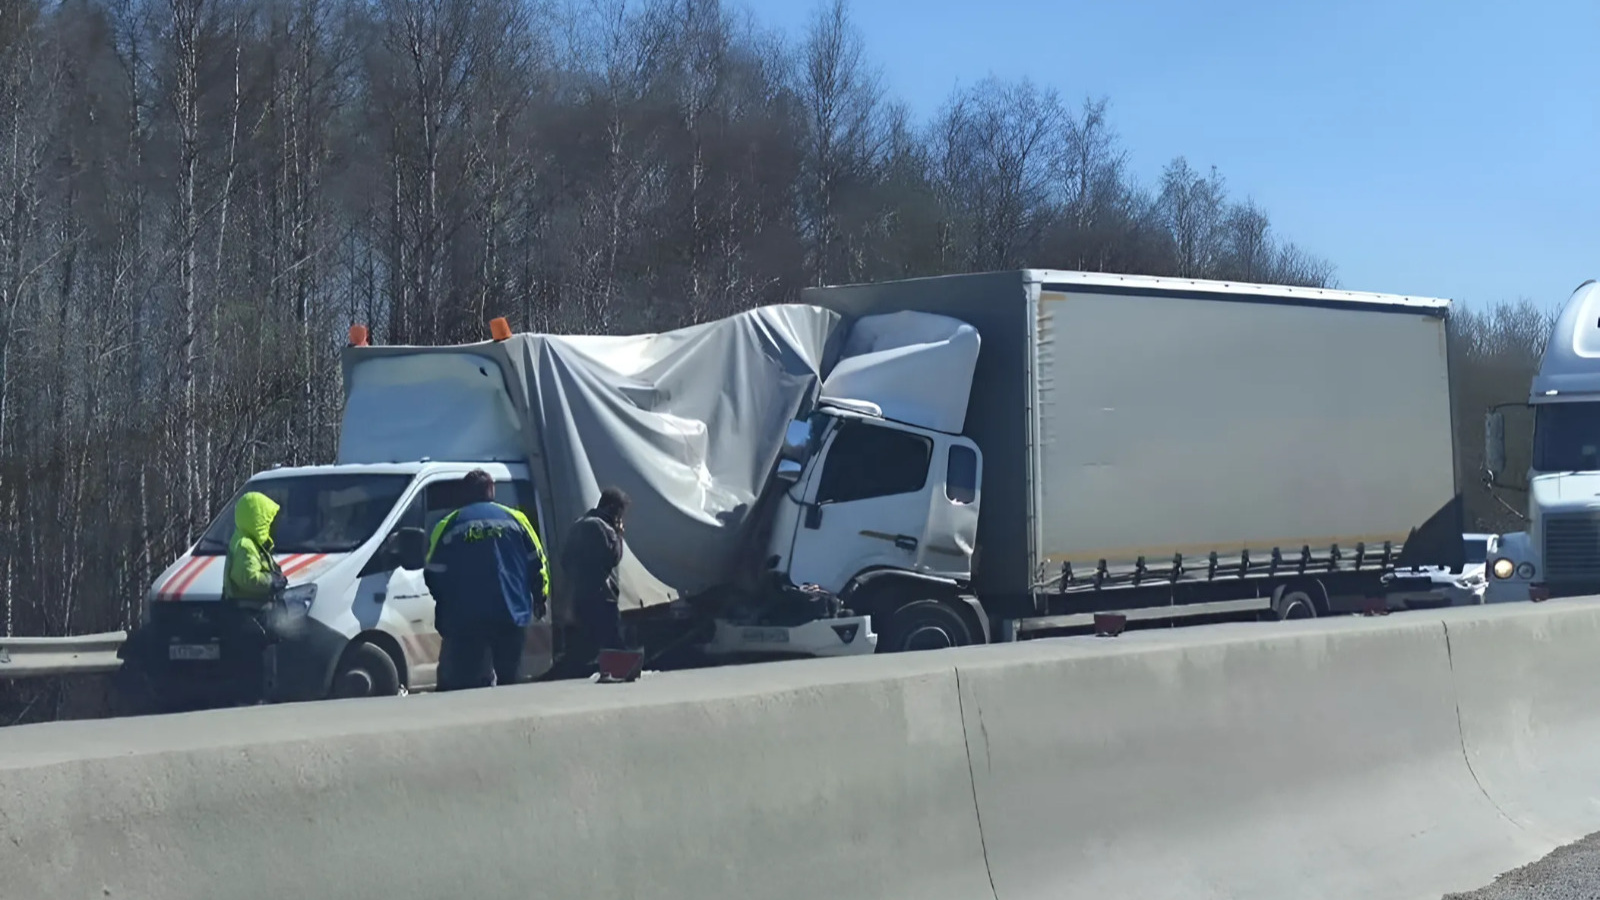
{"x": 1569, "y": 873}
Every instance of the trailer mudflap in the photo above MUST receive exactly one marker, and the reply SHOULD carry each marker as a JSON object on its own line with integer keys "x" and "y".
{"x": 1437, "y": 542}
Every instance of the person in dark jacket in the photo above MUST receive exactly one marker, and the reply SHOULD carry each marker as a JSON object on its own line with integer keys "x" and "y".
{"x": 489, "y": 579}
{"x": 589, "y": 563}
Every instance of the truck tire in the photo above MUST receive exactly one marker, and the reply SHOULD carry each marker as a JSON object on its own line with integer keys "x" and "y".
{"x": 366, "y": 671}
{"x": 1296, "y": 603}
{"x": 924, "y": 625}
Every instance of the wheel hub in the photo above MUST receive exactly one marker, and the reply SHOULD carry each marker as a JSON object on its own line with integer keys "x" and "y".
{"x": 928, "y": 637}
{"x": 357, "y": 683}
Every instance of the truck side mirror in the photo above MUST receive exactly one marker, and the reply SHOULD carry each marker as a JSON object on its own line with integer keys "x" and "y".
{"x": 788, "y": 471}
{"x": 410, "y": 548}
{"x": 1494, "y": 444}
{"x": 796, "y": 442}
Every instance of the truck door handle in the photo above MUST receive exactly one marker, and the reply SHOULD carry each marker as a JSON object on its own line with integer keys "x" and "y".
{"x": 905, "y": 542}
{"x": 814, "y": 515}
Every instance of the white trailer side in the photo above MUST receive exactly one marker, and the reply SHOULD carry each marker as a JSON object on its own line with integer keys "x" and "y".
{"x": 1176, "y": 420}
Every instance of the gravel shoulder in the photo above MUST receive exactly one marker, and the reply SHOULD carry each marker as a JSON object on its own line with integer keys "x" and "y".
{"x": 1568, "y": 873}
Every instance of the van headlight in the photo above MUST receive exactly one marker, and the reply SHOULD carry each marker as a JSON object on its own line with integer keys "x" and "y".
{"x": 1504, "y": 568}
{"x": 1525, "y": 571}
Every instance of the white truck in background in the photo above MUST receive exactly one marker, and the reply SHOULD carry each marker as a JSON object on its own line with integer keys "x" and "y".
{"x": 1559, "y": 553}
{"x": 952, "y": 460}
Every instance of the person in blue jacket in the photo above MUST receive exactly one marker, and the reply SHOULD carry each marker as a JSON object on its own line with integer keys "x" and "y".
{"x": 489, "y": 579}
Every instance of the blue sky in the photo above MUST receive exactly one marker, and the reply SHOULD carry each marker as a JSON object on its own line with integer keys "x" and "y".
{"x": 1439, "y": 147}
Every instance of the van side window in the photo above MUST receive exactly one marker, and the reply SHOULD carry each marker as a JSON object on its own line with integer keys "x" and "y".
{"x": 441, "y": 499}
{"x": 961, "y": 475}
{"x": 415, "y": 515}
{"x": 520, "y": 495}
{"x": 867, "y": 461}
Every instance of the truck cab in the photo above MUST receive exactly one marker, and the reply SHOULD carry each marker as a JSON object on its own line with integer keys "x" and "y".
{"x": 1559, "y": 553}
{"x": 885, "y": 515}
{"x": 357, "y": 618}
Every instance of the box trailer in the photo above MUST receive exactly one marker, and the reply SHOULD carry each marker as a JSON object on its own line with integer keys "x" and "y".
{"x": 1175, "y": 447}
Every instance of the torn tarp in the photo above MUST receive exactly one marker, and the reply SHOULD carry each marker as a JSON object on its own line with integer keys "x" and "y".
{"x": 689, "y": 423}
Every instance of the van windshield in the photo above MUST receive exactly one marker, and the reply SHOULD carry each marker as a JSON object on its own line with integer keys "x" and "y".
{"x": 317, "y": 513}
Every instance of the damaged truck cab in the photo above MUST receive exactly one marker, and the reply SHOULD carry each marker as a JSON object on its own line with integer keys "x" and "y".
{"x": 884, "y": 514}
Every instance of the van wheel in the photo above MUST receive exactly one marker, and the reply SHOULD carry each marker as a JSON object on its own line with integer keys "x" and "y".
{"x": 924, "y": 625}
{"x": 366, "y": 671}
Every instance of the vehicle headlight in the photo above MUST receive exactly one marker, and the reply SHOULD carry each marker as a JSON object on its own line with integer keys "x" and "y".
{"x": 1525, "y": 571}
{"x": 1504, "y": 568}
{"x": 298, "y": 599}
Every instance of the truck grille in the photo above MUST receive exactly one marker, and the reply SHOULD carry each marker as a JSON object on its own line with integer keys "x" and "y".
{"x": 1572, "y": 547}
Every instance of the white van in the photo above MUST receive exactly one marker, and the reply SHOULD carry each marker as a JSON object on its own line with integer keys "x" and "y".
{"x": 342, "y": 536}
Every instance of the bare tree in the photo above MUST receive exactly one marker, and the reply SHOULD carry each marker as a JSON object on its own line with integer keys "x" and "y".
{"x": 198, "y": 196}
{"x": 841, "y": 97}
{"x": 1001, "y": 147}
{"x": 1193, "y": 207}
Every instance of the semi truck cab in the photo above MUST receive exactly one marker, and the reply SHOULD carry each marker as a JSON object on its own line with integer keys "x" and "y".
{"x": 1559, "y": 553}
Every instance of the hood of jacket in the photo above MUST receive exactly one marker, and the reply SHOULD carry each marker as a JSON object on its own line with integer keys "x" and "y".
{"x": 252, "y": 518}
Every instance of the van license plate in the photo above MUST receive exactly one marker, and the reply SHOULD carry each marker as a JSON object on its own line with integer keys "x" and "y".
{"x": 195, "y": 652}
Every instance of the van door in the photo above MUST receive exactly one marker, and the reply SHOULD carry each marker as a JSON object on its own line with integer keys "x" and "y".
{"x": 397, "y": 601}
{"x": 538, "y": 651}
{"x": 869, "y": 506}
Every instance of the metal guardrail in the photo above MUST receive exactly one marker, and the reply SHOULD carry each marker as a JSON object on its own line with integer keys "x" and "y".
{"x": 36, "y": 657}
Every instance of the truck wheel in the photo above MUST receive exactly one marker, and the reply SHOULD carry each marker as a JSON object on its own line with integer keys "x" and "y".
{"x": 924, "y": 625}
{"x": 366, "y": 671}
{"x": 1296, "y": 603}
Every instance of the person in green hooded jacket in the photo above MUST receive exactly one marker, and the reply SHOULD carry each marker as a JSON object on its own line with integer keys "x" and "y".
{"x": 251, "y": 576}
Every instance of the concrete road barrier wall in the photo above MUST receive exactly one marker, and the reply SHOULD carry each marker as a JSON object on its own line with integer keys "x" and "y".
{"x": 1400, "y": 757}
{"x": 1529, "y": 689}
{"x": 690, "y": 787}
{"x": 1325, "y": 761}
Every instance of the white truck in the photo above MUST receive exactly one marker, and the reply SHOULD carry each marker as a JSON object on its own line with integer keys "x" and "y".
{"x": 1166, "y": 449}
{"x": 1559, "y": 553}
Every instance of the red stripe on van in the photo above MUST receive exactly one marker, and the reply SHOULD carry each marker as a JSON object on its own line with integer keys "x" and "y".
{"x": 178, "y": 594}
{"x": 166, "y": 586}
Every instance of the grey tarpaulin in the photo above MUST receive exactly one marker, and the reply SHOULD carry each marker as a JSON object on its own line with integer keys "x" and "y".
{"x": 688, "y": 422}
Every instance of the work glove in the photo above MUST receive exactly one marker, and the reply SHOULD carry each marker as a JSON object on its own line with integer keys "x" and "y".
{"x": 540, "y": 607}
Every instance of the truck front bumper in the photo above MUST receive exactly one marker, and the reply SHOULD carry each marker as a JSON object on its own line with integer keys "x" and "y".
{"x": 201, "y": 654}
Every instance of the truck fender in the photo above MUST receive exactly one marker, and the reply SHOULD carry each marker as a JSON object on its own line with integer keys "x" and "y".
{"x": 872, "y": 583}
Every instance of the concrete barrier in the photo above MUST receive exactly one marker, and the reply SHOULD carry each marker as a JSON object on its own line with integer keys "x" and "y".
{"x": 1528, "y": 681}
{"x": 805, "y": 782}
{"x": 1401, "y": 757}
{"x": 1322, "y": 760}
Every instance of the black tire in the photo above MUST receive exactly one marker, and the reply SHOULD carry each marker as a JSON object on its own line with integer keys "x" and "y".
{"x": 1296, "y": 603}
{"x": 924, "y": 625}
{"x": 365, "y": 671}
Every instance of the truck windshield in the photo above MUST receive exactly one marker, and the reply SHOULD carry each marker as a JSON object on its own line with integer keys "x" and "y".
{"x": 1566, "y": 437}
{"x": 317, "y": 513}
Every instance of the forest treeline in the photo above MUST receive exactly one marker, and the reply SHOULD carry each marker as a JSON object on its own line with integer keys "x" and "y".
{"x": 198, "y": 196}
